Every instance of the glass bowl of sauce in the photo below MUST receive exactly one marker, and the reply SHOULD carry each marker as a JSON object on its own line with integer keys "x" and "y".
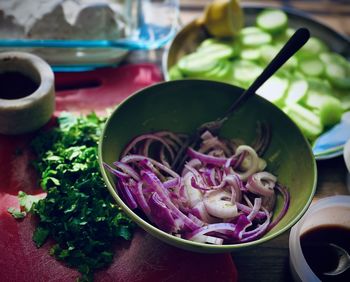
{"x": 326, "y": 222}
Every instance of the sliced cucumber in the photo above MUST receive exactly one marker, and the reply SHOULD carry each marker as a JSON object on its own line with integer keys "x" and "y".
{"x": 208, "y": 42}
{"x": 319, "y": 85}
{"x": 317, "y": 93}
{"x": 245, "y": 72}
{"x": 175, "y": 73}
{"x": 216, "y": 51}
{"x": 313, "y": 47}
{"x": 251, "y": 54}
{"x": 345, "y": 101}
{"x": 283, "y": 37}
{"x": 331, "y": 111}
{"x": 331, "y": 57}
{"x": 274, "y": 90}
{"x": 309, "y": 123}
{"x": 268, "y": 52}
{"x": 195, "y": 64}
{"x": 254, "y": 37}
{"x": 338, "y": 75}
{"x": 311, "y": 66}
{"x": 297, "y": 91}
{"x": 222, "y": 71}
{"x": 225, "y": 72}
{"x": 272, "y": 21}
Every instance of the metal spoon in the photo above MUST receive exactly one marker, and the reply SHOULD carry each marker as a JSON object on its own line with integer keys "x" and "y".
{"x": 298, "y": 39}
{"x": 343, "y": 263}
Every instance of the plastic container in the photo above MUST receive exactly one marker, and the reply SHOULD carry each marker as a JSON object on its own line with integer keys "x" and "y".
{"x": 334, "y": 210}
{"x": 86, "y": 34}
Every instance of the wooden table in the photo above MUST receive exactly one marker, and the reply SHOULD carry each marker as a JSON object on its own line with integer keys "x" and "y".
{"x": 270, "y": 261}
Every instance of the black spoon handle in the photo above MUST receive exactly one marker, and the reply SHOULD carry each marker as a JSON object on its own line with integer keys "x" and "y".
{"x": 298, "y": 39}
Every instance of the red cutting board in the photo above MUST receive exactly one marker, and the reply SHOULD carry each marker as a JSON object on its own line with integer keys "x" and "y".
{"x": 144, "y": 258}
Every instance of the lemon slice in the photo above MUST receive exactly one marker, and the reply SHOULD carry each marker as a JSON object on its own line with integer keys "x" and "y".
{"x": 223, "y": 18}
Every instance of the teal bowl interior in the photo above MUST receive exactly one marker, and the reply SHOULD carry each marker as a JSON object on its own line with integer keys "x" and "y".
{"x": 181, "y": 106}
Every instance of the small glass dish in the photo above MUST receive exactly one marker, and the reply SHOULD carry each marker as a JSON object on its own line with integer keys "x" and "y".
{"x": 329, "y": 212}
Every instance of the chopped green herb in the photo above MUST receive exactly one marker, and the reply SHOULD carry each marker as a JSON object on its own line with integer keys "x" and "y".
{"x": 16, "y": 213}
{"x": 27, "y": 201}
{"x": 40, "y": 235}
{"x": 78, "y": 211}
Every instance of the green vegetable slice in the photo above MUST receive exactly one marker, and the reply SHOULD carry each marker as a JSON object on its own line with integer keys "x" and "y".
{"x": 297, "y": 91}
{"x": 311, "y": 67}
{"x": 272, "y": 21}
{"x": 245, "y": 71}
{"x": 331, "y": 111}
{"x": 251, "y": 54}
{"x": 175, "y": 73}
{"x": 309, "y": 123}
{"x": 254, "y": 37}
{"x": 274, "y": 90}
{"x": 312, "y": 48}
{"x": 196, "y": 64}
{"x": 338, "y": 75}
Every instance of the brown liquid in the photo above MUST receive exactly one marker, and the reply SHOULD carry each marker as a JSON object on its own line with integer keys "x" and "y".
{"x": 322, "y": 258}
{"x": 15, "y": 85}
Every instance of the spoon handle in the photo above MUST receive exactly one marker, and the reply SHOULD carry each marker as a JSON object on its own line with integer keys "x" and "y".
{"x": 298, "y": 39}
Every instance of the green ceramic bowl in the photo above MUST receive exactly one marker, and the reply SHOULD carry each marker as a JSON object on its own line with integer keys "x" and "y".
{"x": 181, "y": 106}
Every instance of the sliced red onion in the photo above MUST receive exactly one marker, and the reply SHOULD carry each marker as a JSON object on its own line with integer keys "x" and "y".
{"x": 208, "y": 239}
{"x": 236, "y": 185}
{"x": 140, "y": 138}
{"x": 127, "y": 170}
{"x": 286, "y": 201}
{"x": 262, "y": 183}
{"x": 208, "y": 159}
{"x": 242, "y": 224}
{"x": 200, "y": 211}
{"x": 256, "y": 233}
{"x": 247, "y": 210}
{"x": 124, "y": 190}
{"x": 138, "y": 158}
{"x": 218, "y": 203}
{"x": 140, "y": 198}
{"x": 196, "y": 220}
{"x": 116, "y": 172}
{"x": 161, "y": 215}
{"x": 171, "y": 183}
{"x": 255, "y": 209}
{"x": 195, "y": 163}
{"x": 217, "y": 227}
{"x": 152, "y": 180}
{"x": 251, "y": 157}
{"x": 193, "y": 195}
{"x": 212, "y": 200}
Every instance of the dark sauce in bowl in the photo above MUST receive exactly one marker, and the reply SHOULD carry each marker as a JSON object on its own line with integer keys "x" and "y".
{"x": 319, "y": 255}
{"x": 15, "y": 85}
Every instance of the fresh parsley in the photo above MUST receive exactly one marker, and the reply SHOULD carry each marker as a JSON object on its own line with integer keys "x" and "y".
{"x": 78, "y": 211}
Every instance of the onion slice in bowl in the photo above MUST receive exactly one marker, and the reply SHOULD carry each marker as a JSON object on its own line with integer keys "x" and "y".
{"x": 222, "y": 196}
